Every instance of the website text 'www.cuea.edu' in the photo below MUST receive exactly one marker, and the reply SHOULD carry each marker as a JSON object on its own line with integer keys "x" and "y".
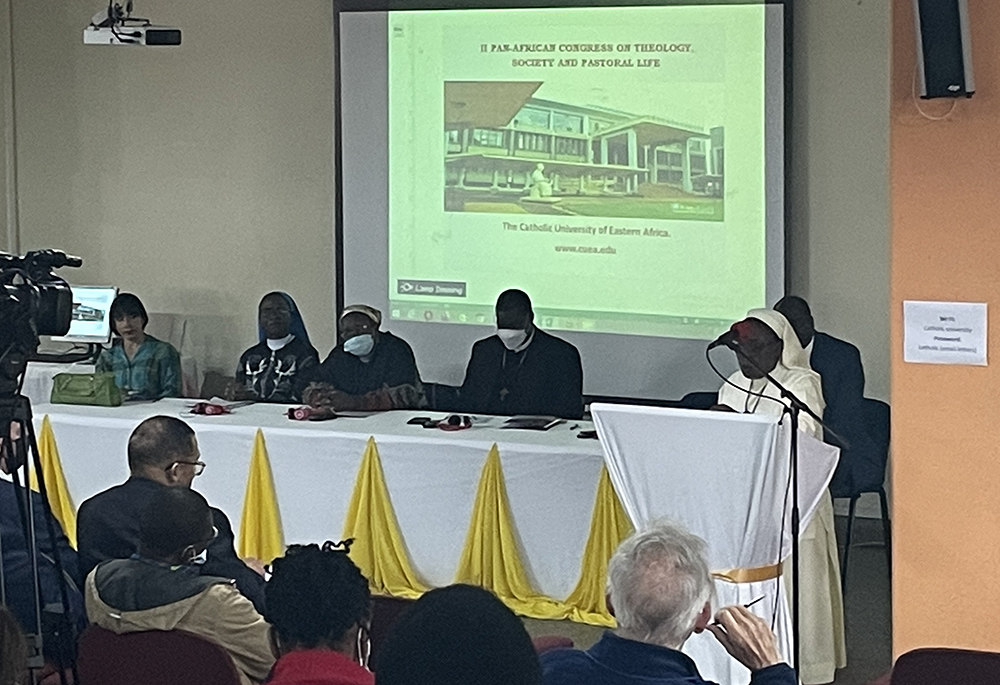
{"x": 585, "y": 249}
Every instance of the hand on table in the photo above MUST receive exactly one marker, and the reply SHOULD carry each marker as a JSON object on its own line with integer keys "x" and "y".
{"x": 746, "y": 637}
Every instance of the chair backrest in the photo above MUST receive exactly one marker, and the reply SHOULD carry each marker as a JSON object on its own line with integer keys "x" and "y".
{"x": 152, "y": 657}
{"x": 862, "y": 466}
{"x": 699, "y": 400}
{"x": 878, "y": 421}
{"x": 937, "y": 665}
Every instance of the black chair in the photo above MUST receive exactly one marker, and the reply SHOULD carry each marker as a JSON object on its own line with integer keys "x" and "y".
{"x": 862, "y": 470}
{"x": 932, "y": 666}
{"x": 699, "y": 400}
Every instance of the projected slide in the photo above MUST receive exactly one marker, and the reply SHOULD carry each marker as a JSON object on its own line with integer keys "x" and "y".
{"x": 608, "y": 161}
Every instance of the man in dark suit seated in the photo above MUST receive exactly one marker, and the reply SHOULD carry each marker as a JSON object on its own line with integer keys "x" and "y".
{"x": 162, "y": 452}
{"x": 521, "y": 369}
{"x": 838, "y": 363}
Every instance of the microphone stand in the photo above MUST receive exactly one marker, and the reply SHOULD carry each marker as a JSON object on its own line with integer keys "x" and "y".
{"x": 793, "y": 406}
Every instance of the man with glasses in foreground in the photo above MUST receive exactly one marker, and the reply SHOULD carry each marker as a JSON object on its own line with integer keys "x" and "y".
{"x": 160, "y": 588}
{"x": 162, "y": 452}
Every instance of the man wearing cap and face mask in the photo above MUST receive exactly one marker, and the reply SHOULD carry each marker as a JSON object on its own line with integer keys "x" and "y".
{"x": 521, "y": 369}
{"x": 370, "y": 370}
{"x": 767, "y": 338}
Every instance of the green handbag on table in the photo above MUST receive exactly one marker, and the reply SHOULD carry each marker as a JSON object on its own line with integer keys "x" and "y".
{"x": 96, "y": 389}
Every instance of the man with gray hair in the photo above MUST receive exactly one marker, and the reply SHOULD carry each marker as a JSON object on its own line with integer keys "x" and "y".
{"x": 660, "y": 591}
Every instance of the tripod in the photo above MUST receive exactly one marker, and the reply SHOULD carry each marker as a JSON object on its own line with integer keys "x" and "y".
{"x": 18, "y": 451}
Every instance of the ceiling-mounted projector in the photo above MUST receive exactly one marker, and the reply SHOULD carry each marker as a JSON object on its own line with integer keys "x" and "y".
{"x": 115, "y": 25}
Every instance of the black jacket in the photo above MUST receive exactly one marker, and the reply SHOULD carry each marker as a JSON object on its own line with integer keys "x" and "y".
{"x": 277, "y": 375}
{"x": 107, "y": 527}
{"x": 545, "y": 379}
{"x": 391, "y": 364}
{"x": 17, "y": 562}
{"x": 862, "y": 464}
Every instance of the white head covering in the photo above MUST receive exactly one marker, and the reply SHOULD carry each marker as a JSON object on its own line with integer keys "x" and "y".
{"x": 372, "y": 313}
{"x": 793, "y": 355}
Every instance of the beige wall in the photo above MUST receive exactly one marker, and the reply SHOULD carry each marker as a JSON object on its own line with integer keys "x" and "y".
{"x": 6, "y": 229}
{"x": 201, "y": 177}
{"x": 945, "y": 247}
{"x": 839, "y": 246}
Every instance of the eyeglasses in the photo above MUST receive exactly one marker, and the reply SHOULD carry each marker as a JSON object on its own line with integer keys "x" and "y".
{"x": 199, "y": 466}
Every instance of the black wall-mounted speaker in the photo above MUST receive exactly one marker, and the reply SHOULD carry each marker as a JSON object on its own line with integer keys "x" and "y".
{"x": 944, "y": 49}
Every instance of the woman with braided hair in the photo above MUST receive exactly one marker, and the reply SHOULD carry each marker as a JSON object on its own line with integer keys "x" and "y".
{"x": 319, "y": 606}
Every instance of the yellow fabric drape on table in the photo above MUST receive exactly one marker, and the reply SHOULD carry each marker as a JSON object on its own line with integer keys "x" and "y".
{"x": 260, "y": 526}
{"x": 55, "y": 482}
{"x": 609, "y": 525}
{"x": 378, "y": 547}
{"x": 490, "y": 558}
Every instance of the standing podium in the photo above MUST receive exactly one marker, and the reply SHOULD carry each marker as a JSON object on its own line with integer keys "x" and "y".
{"x": 725, "y": 477}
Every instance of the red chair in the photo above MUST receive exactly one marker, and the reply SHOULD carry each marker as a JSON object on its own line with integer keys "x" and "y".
{"x": 940, "y": 666}
{"x": 152, "y": 657}
{"x": 546, "y": 643}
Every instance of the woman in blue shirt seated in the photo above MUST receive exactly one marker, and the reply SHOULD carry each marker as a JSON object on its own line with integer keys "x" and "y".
{"x": 144, "y": 367}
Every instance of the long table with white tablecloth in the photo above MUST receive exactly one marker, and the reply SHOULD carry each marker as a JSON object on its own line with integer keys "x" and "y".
{"x": 432, "y": 477}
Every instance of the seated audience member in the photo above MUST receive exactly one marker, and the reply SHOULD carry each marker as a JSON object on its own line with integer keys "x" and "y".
{"x": 838, "y": 363}
{"x": 319, "y": 605}
{"x": 458, "y": 635}
{"x": 767, "y": 337}
{"x": 277, "y": 368}
{"x": 18, "y": 577}
{"x": 162, "y": 453}
{"x": 13, "y": 650}
{"x": 144, "y": 367}
{"x": 660, "y": 590}
{"x": 522, "y": 369}
{"x": 370, "y": 370}
{"x": 160, "y": 588}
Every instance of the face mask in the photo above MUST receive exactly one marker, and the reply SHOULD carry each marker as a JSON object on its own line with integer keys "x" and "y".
{"x": 360, "y": 345}
{"x": 199, "y": 559}
{"x": 512, "y": 338}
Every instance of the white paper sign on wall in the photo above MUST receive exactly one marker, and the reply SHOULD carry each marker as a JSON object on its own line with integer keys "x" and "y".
{"x": 944, "y": 332}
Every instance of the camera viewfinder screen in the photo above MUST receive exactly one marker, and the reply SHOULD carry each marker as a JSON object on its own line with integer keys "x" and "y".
{"x": 91, "y": 314}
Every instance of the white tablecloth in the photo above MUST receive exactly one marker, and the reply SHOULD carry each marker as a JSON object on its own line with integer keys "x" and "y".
{"x": 725, "y": 477}
{"x": 431, "y": 476}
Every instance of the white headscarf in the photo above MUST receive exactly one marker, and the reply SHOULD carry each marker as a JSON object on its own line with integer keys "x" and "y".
{"x": 793, "y": 372}
{"x": 793, "y": 355}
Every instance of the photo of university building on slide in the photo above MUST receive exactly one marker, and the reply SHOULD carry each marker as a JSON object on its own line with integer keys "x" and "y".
{"x": 509, "y": 152}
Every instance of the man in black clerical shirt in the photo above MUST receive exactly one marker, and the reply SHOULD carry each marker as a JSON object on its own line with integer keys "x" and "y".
{"x": 521, "y": 369}
{"x": 838, "y": 363}
{"x": 162, "y": 452}
{"x": 370, "y": 370}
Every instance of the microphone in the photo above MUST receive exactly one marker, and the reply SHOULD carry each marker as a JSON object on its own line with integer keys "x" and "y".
{"x": 730, "y": 338}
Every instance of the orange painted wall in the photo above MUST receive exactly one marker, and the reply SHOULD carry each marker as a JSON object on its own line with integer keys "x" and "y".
{"x": 945, "y": 197}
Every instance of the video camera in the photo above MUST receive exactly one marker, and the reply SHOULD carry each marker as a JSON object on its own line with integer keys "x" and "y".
{"x": 33, "y": 302}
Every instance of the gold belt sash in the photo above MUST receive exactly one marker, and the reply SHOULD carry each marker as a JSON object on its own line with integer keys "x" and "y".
{"x": 749, "y": 575}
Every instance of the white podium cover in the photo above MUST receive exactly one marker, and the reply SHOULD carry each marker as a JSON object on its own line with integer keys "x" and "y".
{"x": 725, "y": 477}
